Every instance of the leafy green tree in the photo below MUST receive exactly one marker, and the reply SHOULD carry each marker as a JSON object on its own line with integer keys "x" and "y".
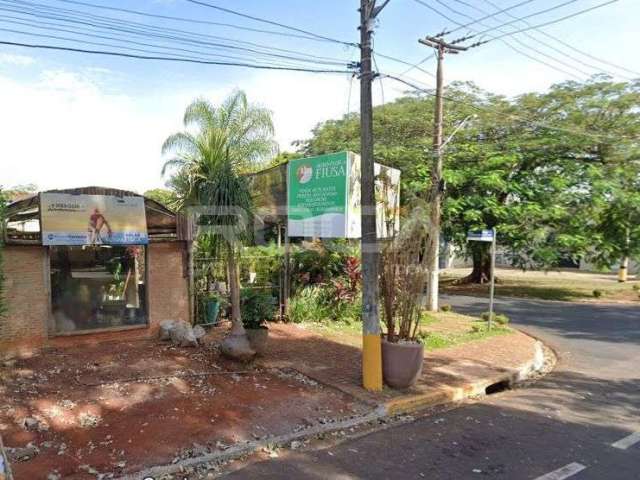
{"x": 208, "y": 159}
{"x": 163, "y": 196}
{"x": 541, "y": 168}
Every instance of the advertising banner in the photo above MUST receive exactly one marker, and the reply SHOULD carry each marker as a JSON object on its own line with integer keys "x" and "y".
{"x": 317, "y": 196}
{"x": 92, "y": 220}
{"x": 324, "y": 197}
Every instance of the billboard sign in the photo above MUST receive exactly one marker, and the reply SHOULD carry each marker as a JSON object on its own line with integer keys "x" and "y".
{"x": 324, "y": 197}
{"x": 480, "y": 236}
{"x": 69, "y": 219}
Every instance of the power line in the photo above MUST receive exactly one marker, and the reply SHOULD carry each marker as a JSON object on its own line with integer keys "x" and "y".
{"x": 164, "y": 58}
{"x": 271, "y": 22}
{"x": 485, "y": 17}
{"x": 541, "y": 32}
{"x": 50, "y": 26}
{"x": 416, "y": 65}
{"x": 171, "y": 50}
{"x": 404, "y": 62}
{"x": 186, "y": 19}
{"x": 550, "y": 22}
{"x": 109, "y": 23}
{"x": 509, "y": 45}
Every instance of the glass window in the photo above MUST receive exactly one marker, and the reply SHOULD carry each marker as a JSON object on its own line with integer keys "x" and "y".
{"x": 98, "y": 287}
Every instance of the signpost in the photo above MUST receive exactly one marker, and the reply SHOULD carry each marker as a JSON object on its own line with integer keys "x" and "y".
{"x": 488, "y": 236}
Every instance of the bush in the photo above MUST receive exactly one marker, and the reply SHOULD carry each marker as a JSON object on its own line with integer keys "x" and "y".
{"x": 446, "y": 308}
{"x": 257, "y": 307}
{"x": 636, "y": 287}
{"x": 499, "y": 318}
{"x": 308, "y": 306}
{"x": 597, "y": 293}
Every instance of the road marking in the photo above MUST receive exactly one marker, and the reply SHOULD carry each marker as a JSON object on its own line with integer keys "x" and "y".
{"x": 564, "y": 472}
{"x": 627, "y": 441}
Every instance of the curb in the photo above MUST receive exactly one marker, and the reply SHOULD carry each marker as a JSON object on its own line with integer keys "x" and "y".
{"x": 391, "y": 408}
{"x": 254, "y": 446}
{"x": 410, "y": 404}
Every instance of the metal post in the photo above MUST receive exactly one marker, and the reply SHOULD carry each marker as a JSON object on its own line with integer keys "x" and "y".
{"x": 493, "y": 277}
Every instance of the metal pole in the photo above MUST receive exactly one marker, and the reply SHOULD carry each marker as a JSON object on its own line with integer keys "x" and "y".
{"x": 493, "y": 277}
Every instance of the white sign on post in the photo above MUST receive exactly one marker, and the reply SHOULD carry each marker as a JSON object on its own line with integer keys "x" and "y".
{"x": 487, "y": 236}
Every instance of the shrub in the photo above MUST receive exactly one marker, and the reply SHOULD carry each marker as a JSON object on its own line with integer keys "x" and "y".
{"x": 499, "y": 318}
{"x": 308, "y": 305}
{"x": 597, "y": 293}
{"x": 257, "y": 307}
{"x": 446, "y": 308}
{"x": 636, "y": 287}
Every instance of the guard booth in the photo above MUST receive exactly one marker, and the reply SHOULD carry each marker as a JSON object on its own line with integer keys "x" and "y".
{"x": 90, "y": 264}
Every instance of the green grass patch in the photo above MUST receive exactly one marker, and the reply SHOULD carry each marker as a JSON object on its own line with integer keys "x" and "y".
{"x": 479, "y": 331}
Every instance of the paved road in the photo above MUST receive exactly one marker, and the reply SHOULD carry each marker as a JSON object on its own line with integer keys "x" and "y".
{"x": 571, "y": 418}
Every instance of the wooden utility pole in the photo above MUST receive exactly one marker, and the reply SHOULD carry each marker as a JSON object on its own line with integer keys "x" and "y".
{"x": 437, "y": 185}
{"x": 371, "y": 341}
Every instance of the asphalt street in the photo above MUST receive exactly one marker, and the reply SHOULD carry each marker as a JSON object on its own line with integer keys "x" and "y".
{"x": 580, "y": 422}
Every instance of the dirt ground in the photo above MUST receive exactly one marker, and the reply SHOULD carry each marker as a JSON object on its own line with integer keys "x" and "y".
{"x": 100, "y": 411}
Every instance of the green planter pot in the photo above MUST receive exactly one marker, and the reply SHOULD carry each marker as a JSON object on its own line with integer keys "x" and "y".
{"x": 213, "y": 311}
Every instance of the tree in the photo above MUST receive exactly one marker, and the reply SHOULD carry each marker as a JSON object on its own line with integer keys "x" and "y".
{"x": 541, "y": 168}
{"x": 208, "y": 164}
{"x": 163, "y": 196}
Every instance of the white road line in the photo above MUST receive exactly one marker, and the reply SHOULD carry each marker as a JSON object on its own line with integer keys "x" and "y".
{"x": 628, "y": 441}
{"x": 564, "y": 472}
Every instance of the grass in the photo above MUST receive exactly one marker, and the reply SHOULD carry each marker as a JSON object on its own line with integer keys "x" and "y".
{"x": 566, "y": 286}
{"x": 437, "y": 330}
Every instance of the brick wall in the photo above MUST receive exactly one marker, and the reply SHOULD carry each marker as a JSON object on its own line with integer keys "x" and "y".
{"x": 168, "y": 287}
{"x": 26, "y": 293}
{"x": 25, "y": 326}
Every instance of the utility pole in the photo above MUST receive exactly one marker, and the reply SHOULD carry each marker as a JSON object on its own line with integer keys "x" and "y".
{"x": 371, "y": 341}
{"x": 437, "y": 184}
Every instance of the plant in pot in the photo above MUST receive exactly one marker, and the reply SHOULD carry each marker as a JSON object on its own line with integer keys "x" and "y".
{"x": 402, "y": 281}
{"x": 257, "y": 309}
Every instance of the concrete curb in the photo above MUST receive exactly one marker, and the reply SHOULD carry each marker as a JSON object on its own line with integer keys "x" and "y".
{"x": 412, "y": 403}
{"x": 398, "y": 406}
{"x": 255, "y": 446}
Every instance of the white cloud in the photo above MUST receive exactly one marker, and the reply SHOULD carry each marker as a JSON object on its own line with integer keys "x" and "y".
{"x": 19, "y": 60}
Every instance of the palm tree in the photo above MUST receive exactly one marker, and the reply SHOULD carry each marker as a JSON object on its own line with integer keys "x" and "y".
{"x": 218, "y": 145}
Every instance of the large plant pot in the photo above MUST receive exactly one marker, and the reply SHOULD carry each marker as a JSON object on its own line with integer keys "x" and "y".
{"x": 258, "y": 338}
{"x": 402, "y": 363}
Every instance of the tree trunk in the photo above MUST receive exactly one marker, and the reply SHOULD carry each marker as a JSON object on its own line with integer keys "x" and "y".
{"x": 234, "y": 289}
{"x": 481, "y": 272}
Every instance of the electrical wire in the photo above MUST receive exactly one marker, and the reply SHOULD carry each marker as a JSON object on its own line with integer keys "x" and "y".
{"x": 421, "y": 62}
{"x": 271, "y": 22}
{"x": 185, "y": 19}
{"x": 541, "y": 32}
{"x": 99, "y": 23}
{"x": 168, "y": 49}
{"x": 520, "y": 4}
{"x": 523, "y": 44}
{"x": 164, "y": 58}
{"x": 550, "y": 22}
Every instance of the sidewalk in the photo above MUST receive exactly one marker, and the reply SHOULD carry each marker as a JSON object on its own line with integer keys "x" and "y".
{"x": 448, "y": 374}
{"x": 147, "y": 406}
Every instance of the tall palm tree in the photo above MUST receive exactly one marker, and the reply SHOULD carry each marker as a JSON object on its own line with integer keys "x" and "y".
{"x": 208, "y": 159}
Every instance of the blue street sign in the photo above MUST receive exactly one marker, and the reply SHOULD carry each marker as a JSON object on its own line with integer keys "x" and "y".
{"x": 480, "y": 236}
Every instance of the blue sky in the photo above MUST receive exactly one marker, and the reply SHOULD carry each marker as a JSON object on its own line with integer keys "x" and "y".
{"x": 69, "y": 119}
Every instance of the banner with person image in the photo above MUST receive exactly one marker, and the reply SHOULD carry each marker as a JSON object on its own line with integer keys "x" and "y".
{"x": 69, "y": 219}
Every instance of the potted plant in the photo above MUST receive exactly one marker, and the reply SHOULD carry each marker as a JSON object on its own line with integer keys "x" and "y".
{"x": 403, "y": 279}
{"x": 257, "y": 308}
